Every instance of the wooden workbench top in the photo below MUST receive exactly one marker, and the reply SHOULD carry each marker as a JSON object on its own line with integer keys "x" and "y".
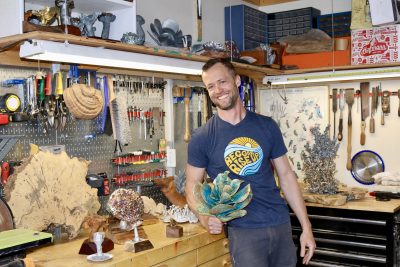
{"x": 367, "y": 204}
{"x": 66, "y": 254}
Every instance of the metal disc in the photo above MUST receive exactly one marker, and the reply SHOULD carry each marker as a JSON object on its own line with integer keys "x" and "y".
{"x": 365, "y": 164}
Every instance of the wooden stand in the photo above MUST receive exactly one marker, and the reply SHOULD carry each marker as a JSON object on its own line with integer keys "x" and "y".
{"x": 89, "y": 248}
{"x": 174, "y": 231}
{"x": 143, "y": 245}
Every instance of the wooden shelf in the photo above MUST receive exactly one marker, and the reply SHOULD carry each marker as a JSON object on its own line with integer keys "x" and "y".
{"x": 255, "y": 72}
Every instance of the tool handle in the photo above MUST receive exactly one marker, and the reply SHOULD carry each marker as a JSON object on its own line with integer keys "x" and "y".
{"x": 382, "y": 118}
{"x": 372, "y": 124}
{"x": 205, "y": 108}
{"x": 362, "y": 135}
{"x": 198, "y": 118}
{"x": 334, "y": 124}
{"x": 348, "y": 164}
{"x": 340, "y": 134}
{"x": 398, "y": 111}
{"x": 5, "y": 172}
{"x": 186, "y": 135}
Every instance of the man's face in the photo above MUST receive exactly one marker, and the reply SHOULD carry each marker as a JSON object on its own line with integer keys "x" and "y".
{"x": 222, "y": 86}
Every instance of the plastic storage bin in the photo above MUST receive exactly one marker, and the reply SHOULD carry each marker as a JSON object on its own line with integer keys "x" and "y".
{"x": 341, "y": 24}
{"x": 249, "y": 26}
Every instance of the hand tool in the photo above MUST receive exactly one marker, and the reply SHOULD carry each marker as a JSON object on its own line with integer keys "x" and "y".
{"x": 334, "y": 109}
{"x": 358, "y": 94}
{"x": 364, "y": 87}
{"x": 385, "y": 99}
{"x": 199, "y": 23}
{"x": 398, "y": 95}
{"x": 186, "y": 136}
{"x": 341, "y": 108}
{"x": 205, "y": 106}
{"x": 349, "y": 96}
{"x": 374, "y": 105}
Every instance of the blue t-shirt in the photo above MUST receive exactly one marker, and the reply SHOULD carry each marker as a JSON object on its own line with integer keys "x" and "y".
{"x": 245, "y": 150}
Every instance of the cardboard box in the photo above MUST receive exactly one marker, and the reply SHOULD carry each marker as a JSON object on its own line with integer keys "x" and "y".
{"x": 318, "y": 60}
{"x": 375, "y": 45}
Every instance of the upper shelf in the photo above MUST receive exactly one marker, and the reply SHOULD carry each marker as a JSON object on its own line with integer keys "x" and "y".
{"x": 86, "y": 6}
{"x": 255, "y": 72}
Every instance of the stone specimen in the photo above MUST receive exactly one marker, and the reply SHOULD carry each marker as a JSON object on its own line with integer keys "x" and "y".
{"x": 51, "y": 189}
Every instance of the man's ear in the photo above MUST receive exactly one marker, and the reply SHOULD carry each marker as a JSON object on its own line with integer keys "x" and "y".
{"x": 237, "y": 80}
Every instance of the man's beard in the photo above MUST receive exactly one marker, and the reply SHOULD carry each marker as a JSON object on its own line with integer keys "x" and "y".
{"x": 231, "y": 104}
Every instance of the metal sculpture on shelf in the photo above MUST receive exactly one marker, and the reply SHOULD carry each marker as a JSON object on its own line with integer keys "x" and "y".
{"x": 65, "y": 7}
{"x": 88, "y": 29}
{"x": 106, "y": 19}
{"x": 44, "y": 17}
{"x": 137, "y": 38}
{"x": 319, "y": 165}
{"x": 169, "y": 34}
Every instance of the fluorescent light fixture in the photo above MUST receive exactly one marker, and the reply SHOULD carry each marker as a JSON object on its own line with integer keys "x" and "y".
{"x": 332, "y": 76}
{"x": 98, "y": 56}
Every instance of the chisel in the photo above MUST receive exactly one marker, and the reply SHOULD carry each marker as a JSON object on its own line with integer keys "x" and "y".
{"x": 334, "y": 109}
{"x": 364, "y": 87}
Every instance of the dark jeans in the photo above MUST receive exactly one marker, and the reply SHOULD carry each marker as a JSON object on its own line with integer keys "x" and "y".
{"x": 264, "y": 247}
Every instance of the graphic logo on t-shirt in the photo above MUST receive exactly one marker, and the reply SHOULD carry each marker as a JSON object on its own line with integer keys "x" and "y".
{"x": 243, "y": 156}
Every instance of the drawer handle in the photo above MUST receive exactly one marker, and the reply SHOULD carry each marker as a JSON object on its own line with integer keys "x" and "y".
{"x": 226, "y": 263}
{"x": 226, "y": 244}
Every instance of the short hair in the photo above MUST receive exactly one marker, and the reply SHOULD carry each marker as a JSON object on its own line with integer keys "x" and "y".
{"x": 224, "y": 61}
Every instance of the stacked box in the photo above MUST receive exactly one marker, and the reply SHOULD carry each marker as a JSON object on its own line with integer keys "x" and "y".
{"x": 375, "y": 45}
{"x": 341, "y": 24}
{"x": 249, "y": 26}
{"x": 292, "y": 22}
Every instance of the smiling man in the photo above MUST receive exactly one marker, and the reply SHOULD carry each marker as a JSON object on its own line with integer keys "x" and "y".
{"x": 247, "y": 145}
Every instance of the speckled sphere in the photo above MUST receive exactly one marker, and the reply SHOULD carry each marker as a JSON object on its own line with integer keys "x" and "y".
{"x": 126, "y": 205}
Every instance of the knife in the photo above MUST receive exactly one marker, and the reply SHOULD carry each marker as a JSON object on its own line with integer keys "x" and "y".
{"x": 364, "y": 87}
{"x": 334, "y": 109}
{"x": 374, "y": 104}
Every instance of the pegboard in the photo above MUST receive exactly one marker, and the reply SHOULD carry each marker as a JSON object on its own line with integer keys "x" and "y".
{"x": 84, "y": 138}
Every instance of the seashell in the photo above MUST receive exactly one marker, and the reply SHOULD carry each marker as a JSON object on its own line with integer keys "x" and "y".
{"x": 222, "y": 198}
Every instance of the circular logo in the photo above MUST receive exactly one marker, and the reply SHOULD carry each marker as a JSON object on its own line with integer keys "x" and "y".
{"x": 243, "y": 156}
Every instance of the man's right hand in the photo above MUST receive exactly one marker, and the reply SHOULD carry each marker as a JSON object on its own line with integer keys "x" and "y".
{"x": 211, "y": 223}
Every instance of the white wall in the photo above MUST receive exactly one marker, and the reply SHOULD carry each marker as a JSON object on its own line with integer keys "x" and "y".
{"x": 183, "y": 12}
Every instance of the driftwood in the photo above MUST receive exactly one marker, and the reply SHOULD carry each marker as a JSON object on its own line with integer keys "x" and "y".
{"x": 168, "y": 188}
{"x": 51, "y": 189}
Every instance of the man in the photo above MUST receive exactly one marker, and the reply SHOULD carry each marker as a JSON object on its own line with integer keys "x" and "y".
{"x": 246, "y": 144}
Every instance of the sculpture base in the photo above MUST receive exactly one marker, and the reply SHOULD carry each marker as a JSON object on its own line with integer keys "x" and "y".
{"x": 89, "y": 247}
{"x": 174, "y": 231}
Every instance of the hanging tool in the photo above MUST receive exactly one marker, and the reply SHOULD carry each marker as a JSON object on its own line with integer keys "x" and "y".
{"x": 398, "y": 95}
{"x": 205, "y": 106}
{"x": 9, "y": 103}
{"x": 364, "y": 87}
{"x": 374, "y": 106}
{"x": 199, "y": 22}
{"x": 385, "y": 105}
{"x": 341, "y": 108}
{"x": 349, "y": 96}
{"x": 186, "y": 135}
{"x": 358, "y": 94}
{"x": 334, "y": 109}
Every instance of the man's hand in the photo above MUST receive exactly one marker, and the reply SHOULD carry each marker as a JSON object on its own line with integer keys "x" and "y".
{"x": 308, "y": 246}
{"x": 211, "y": 223}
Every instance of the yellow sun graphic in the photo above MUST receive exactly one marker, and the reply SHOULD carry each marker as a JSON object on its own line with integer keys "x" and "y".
{"x": 245, "y": 141}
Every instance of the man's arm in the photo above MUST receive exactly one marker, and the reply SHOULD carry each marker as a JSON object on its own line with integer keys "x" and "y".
{"x": 291, "y": 190}
{"x": 195, "y": 175}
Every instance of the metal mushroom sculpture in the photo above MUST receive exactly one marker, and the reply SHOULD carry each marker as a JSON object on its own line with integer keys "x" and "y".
{"x": 137, "y": 38}
{"x": 222, "y": 198}
{"x": 65, "y": 7}
{"x": 169, "y": 34}
{"x": 127, "y": 205}
{"x": 106, "y": 19}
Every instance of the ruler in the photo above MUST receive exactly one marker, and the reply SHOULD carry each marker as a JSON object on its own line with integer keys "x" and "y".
{"x": 6, "y": 144}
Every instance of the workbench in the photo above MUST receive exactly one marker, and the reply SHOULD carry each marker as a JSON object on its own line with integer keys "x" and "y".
{"x": 362, "y": 232}
{"x": 195, "y": 248}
